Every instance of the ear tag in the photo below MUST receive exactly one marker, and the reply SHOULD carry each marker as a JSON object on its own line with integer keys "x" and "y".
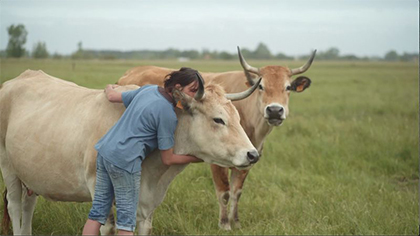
{"x": 179, "y": 105}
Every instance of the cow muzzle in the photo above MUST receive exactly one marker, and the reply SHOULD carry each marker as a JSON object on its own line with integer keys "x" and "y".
{"x": 275, "y": 114}
{"x": 252, "y": 157}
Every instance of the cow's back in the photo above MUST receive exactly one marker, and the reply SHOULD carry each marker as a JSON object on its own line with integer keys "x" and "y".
{"x": 143, "y": 75}
{"x": 49, "y": 128}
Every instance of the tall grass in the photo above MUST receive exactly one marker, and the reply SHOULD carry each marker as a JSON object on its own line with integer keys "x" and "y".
{"x": 344, "y": 162}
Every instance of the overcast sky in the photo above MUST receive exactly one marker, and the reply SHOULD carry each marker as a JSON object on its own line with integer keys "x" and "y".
{"x": 293, "y": 27}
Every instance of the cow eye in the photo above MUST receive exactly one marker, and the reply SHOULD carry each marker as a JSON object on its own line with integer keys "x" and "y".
{"x": 288, "y": 88}
{"x": 260, "y": 87}
{"x": 219, "y": 121}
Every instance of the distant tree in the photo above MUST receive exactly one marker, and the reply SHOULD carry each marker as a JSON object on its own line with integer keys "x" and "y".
{"x": 40, "y": 50}
{"x": 17, "y": 38}
{"x": 191, "y": 54}
{"x": 57, "y": 56}
{"x": 350, "y": 57}
{"x": 247, "y": 53}
{"x": 225, "y": 56}
{"x": 409, "y": 57}
{"x": 210, "y": 55}
{"x": 170, "y": 53}
{"x": 79, "y": 46}
{"x": 375, "y": 58}
{"x": 206, "y": 54}
{"x": 262, "y": 52}
{"x": 391, "y": 56}
{"x": 81, "y": 53}
{"x": 282, "y": 56}
{"x": 331, "y": 54}
{"x": 108, "y": 57}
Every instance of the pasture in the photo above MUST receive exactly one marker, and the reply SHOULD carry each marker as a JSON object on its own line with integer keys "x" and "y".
{"x": 344, "y": 162}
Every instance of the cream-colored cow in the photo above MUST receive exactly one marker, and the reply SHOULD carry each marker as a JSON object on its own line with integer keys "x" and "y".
{"x": 49, "y": 128}
{"x": 260, "y": 113}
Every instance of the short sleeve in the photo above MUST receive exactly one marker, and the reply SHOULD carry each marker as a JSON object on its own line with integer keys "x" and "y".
{"x": 167, "y": 122}
{"x": 128, "y": 96}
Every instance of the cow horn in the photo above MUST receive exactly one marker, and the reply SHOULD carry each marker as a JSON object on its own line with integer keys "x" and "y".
{"x": 244, "y": 94}
{"x": 200, "y": 92}
{"x": 305, "y": 67}
{"x": 247, "y": 68}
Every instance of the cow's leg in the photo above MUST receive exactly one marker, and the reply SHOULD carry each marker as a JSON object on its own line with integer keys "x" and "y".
{"x": 14, "y": 198}
{"x": 237, "y": 181}
{"x": 221, "y": 185}
{"x": 155, "y": 182}
{"x": 14, "y": 190}
{"x": 145, "y": 225}
{"x": 28, "y": 207}
{"x": 152, "y": 192}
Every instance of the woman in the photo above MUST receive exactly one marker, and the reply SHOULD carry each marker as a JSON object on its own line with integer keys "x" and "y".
{"x": 148, "y": 122}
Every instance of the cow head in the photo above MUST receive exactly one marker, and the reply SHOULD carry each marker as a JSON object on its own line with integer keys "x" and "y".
{"x": 275, "y": 88}
{"x": 209, "y": 128}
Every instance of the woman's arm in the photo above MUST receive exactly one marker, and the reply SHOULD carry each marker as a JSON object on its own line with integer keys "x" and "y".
{"x": 111, "y": 94}
{"x": 169, "y": 158}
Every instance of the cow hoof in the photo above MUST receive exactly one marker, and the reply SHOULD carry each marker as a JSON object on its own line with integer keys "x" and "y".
{"x": 225, "y": 226}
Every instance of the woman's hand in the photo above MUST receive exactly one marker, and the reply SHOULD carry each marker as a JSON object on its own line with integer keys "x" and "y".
{"x": 111, "y": 86}
{"x": 111, "y": 94}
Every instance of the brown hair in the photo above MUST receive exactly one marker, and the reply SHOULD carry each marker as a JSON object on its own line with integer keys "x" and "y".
{"x": 183, "y": 77}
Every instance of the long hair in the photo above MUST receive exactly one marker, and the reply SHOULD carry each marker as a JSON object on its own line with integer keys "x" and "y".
{"x": 183, "y": 77}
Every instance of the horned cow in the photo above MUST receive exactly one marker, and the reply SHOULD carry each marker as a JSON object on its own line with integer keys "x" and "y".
{"x": 49, "y": 128}
{"x": 260, "y": 113}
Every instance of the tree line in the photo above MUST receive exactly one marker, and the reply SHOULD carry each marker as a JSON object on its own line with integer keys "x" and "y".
{"x": 17, "y": 39}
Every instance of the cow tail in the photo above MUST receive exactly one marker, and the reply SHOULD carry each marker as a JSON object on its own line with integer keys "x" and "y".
{"x": 6, "y": 218}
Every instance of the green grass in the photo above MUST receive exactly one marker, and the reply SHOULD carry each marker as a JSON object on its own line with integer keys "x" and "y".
{"x": 344, "y": 162}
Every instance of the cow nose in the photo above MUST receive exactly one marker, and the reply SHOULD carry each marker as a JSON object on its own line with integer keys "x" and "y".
{"x": 253, "y": 156}
{"x": 275, "y": 111}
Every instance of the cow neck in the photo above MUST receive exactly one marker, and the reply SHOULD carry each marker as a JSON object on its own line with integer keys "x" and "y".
{"x": 167, "y": 96}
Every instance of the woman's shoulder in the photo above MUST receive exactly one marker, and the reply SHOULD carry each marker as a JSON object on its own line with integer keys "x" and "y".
{"x": 148, "y": 87}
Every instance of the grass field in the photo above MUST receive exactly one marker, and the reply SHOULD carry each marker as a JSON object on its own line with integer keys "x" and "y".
{"x": 344, "y": 162}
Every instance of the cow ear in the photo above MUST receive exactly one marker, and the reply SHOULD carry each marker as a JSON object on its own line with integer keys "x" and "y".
{"x": 183, "y": 101}
{"x": 300, "y": 84}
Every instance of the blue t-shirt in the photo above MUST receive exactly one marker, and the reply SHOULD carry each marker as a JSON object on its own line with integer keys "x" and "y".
{"x": 148, "y": 123}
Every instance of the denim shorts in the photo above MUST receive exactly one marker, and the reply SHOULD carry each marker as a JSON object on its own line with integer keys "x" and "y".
{"x": 111, "y": 182}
